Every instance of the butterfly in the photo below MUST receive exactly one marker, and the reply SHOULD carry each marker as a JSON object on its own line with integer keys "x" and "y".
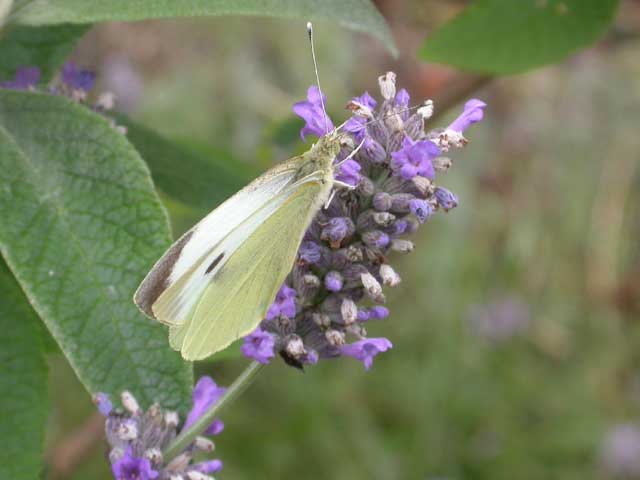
{"x": 216, "y": 282}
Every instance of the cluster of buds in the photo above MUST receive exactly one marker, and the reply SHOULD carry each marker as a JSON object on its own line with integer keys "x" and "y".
{"x": 336, "y": 285}
{"x": 137, "y": 438}
{"x": 74, "y": 83}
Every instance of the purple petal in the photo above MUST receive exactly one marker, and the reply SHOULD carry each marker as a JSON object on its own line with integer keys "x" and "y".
{"x": 473, "y": 113}
{"x": 133, "y": 468}
{"x": 205, "y": 394}
{"x": 365, "y": 350}
{"x": 25, "y": 78}
{"x": 76, "y": 78}
{"x": 259, "y": 345}
{"x": 316, "y": 122}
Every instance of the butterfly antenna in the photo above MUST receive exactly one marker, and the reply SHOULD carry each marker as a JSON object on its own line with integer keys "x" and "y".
{"x": 315, "y": 67}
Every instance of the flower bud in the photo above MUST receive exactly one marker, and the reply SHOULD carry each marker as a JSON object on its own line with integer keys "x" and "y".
{"x": 384, "y": 219}
{"x": 333, "y": 281}
{"x": 154, "y": 455}
{"x": 295, "y": 346}
{"x": 349, "y": 311}
{"x": 382, "y": 201}
{"x": 375, "y": 239}
{"x": 130, "y": 403}
{"x": 426, "y": 110}
{"x": 334, "y": 337}
{"x": 204, "y": 444}
{"x": 441, "y": 164}
{"x": 127, "y": 430}
{"x": 171, "y": 419}
{"x": 387, "y": 84}
{"x": 401, "y": 245}
{"x": 446, "y": 199}
{"x": 389, "y": 275}
{"x": 372, "y": 287}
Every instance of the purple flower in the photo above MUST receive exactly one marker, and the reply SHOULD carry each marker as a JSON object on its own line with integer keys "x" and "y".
{"x": 259, "y": 345}
{"x": 374, "y": 313}
{"x": 205, "y": 394}
{"x": 337, "y": 229}
{"x": 365, "y": 350}
{"x": 414, "y": 158}
{"x": 310, "y": 252}
{"x": 421, "y": 209}
{"x": 212, "y": 466}
{"x": 446, "y": 199}
{"x": 284, "y": 305}
{"x": 103, "y": 403}
{"x": 473, "y": 113}
{"x": 25, "y": 78}
{"x": 356, "y": 126}
{"x": 76, "y": 78}
{"x": 317, "y": 123}
{"x": 333, "y": 281}
{"x": 402, "y": 99}
{"x": 349, "y": 172}
{"x": 366, "y": 100}
{"x": 133, "y": 468}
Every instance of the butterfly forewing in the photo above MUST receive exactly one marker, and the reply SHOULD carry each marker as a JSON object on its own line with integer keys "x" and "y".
{"x": 237, "y": 298}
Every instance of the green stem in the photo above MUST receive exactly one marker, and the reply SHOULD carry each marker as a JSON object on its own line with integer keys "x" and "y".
{"x": 187, "y": 436}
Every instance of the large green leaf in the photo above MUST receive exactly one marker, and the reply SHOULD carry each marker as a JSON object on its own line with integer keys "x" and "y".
{"x": 81, "y": 224}
{"x": 507, "y": 36}
{"x": 23, "y": 384}
{"x": 44, "y": 47}
{"x": 356, "y": 14}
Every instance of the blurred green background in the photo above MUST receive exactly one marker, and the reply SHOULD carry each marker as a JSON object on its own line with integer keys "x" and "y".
{"x": 515, "y": 330}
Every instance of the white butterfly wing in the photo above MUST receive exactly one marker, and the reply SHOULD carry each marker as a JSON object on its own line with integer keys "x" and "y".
{"x": 237, "y": 298}
{"x": 174, "y": 285}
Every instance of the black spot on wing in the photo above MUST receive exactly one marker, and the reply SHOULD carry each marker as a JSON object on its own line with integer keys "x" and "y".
{"x": 214, "y": 263}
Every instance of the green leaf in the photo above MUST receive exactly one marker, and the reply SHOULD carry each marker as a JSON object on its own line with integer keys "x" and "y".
{"x": 199, "y": 180}
{"x": 506, "y": 36}
{"x": 43, "y": 47}
{"x": 23, "y": 383}
{"x": 356, "y": 14}
{"x": 81, "y": 225}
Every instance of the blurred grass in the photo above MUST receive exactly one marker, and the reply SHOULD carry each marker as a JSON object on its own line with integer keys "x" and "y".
{"x": 548, "y": 188}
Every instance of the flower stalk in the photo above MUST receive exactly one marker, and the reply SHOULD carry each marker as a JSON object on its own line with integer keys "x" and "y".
{"x": 188, "y": 435}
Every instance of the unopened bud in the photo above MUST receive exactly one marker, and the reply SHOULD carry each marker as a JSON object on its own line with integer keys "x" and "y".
{"x": 295, "y": 346}
{"x": 130, "y": 403}
{"x": 204, "y": 444}
{"x": 127, "y": 430}
{"x": 426, "y": 110}
{"x": 154, "y": 455}
{"x": 372, "y": 287}
{"x": 387, "y": 84}
{"x": 106, "y": 101}
{"x": 349, "y": 311}
{"x": 171, "y": 419}
{"x": 389, "y": 275}
{"x": 401, "y": 245}
{"x": 334, "y": 337}
{"x": 442, "y": 164}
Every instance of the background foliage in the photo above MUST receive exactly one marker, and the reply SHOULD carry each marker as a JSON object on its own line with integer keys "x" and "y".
{"x": 546, "y": 222}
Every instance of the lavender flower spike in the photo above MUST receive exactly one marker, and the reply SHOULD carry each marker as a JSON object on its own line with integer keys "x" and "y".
{"x": 365, "y": 350}
{"x": 317, "y": 123}
{"x": 343, "y": 264}
{"x": 205, "y": 394}
{"x": 140, "y": 439}
{"x": 24, "y": 79}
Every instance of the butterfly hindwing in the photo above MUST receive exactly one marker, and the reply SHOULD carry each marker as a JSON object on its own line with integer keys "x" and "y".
{"x": 237, "y": 298}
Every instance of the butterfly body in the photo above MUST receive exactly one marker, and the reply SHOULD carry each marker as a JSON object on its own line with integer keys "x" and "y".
{"x": 215, "y": 284}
